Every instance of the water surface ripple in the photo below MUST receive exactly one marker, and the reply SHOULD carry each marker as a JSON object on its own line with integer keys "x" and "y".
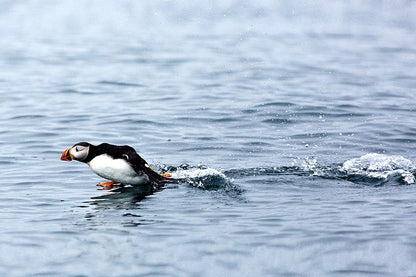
{"x": 289, "y": 125}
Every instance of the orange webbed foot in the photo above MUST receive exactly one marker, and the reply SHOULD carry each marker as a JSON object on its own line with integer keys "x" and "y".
{"x": 107, "y": 185}
{"x": 166, "y": 175}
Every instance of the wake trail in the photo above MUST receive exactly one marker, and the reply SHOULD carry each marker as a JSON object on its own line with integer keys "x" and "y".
{"x": 370, "y": 169}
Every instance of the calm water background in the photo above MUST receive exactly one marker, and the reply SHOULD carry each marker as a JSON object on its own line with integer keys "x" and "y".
{"x": 302, "y": 115}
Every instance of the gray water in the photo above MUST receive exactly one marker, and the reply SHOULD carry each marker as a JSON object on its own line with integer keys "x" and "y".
{"x": 291, "y": 125}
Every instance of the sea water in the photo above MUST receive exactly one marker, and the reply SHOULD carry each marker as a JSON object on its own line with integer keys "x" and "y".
{"x": 289, "y": 125}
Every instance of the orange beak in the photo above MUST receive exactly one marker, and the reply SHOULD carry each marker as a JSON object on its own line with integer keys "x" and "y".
{"x": 66, "y": 155}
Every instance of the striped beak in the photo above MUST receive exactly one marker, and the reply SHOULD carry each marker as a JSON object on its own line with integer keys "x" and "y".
{"x": 66, "y": 155}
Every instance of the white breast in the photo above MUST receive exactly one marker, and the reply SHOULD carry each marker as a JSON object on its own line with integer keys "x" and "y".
{"x": 117, "y": 170}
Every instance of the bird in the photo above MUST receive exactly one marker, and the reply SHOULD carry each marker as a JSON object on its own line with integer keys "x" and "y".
{"x": 117, "y": 163}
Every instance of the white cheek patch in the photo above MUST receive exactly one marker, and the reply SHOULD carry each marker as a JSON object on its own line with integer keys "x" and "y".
{"x": 80, "y": 154}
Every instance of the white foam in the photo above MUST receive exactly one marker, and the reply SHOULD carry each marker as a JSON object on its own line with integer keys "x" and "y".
{"x": 381, "y": 166}
{"x": 310, "y": 164}
{"x": 196, "y": 173}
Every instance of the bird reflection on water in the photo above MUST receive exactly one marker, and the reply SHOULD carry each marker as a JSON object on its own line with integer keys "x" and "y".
{"x": 118, "y": 204}
{"x": 124, "y": 197}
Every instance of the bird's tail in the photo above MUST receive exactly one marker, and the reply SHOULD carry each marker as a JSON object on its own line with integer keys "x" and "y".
{"x": 158, "y": 178}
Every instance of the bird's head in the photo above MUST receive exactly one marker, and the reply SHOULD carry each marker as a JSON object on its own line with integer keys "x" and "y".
{"x": 78, "y": 152}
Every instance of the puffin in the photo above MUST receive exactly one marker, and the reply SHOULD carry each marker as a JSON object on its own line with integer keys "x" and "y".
{"x": 118, "y": 163}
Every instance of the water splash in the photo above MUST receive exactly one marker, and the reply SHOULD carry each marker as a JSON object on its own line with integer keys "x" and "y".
{"x": 201, "y": 177}
{"x": 381, "y": 168}
{"x": 371, "y": 169}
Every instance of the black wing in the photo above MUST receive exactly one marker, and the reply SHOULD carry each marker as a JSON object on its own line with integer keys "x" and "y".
{"x": 140, "y": 165}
